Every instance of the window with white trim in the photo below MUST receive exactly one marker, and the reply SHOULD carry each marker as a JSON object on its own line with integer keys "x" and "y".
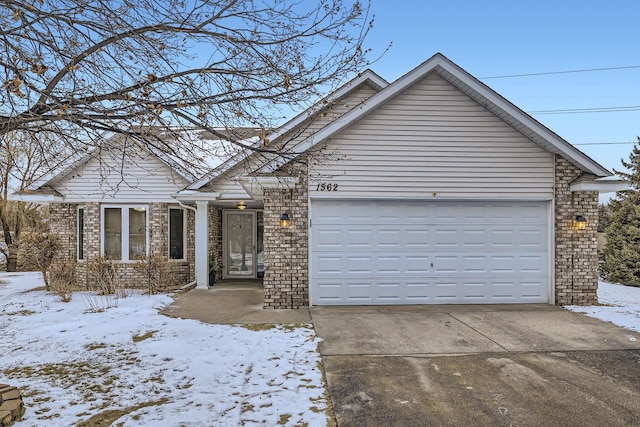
{"x": 177, "y": 233}
{"x": 80, "y": 233}
{"x": 124, "y": 232}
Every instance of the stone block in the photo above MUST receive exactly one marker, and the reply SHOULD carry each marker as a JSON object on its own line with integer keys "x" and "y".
{"x": 10, "y": 394}
{"x": 14, "y": 407}
{"x": 5, "y": 419}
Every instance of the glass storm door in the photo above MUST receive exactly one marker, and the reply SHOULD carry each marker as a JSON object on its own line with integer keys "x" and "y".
{"x": 240, "y": 244}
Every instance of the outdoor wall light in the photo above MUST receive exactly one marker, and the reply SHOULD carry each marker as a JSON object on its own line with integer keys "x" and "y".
{"x": 580, "y": 222}
{"x": 242, "y": 205}
{"x": 285, "y": 221}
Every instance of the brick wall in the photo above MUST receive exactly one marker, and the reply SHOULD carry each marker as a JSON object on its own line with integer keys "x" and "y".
{"x": 191, "y": 246}
{"x": 576, "y": 256}
{"x": 215, "y": 234}
{"x": 286, "y": 279}
{"x": 64, "y": 224}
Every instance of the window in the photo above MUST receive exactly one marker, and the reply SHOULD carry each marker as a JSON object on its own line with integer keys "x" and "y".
{"x": 177, "y": 235}
{"x": 80, "y": 233}
{"x": 124, "y": 232}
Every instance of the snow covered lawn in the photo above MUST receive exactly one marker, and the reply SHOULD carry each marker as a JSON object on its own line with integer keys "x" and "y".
{"x": 98, "y": 361}
{"x": 619, "y": 305}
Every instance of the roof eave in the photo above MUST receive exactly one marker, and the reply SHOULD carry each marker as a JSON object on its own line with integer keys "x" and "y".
{"x": 189, "y": 196}
{"x": 600, "y": 185}
{"x": 36, "y": 197}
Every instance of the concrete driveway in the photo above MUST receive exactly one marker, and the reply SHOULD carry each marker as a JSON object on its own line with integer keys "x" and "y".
{"x": 483, "y": 365}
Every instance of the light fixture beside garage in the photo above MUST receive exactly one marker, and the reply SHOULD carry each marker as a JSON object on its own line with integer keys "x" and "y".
{"x": 242, "y": 205}
{"x": 580, "y": 222}
{"x": 285, "y": 221}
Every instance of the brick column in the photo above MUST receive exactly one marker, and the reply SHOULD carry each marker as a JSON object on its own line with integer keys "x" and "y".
{"x": 191, "y": 244}
{"x": 63, "y": 224}
{"x": 286, "y": 260}
{"x": 576, "y": 256}
{"x": 215, "y": 234}
{"x": 158, "y": 228}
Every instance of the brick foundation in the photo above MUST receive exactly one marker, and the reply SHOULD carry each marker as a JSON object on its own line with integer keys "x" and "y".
{"x": 576, "y": 256}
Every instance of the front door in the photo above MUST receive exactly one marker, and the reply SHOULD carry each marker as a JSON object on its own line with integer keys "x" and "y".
{"x": 240, "y": 251}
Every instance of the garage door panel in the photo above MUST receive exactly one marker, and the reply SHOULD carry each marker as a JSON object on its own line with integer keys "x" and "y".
{"x": 360, "y": 263}
{"x": 379, "y": 252}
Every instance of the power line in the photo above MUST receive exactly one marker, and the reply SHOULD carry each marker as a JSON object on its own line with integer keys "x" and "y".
{"x": 605, "y": 143}
{"x": 587, "y": 70}
{"x": 589, "y": 110}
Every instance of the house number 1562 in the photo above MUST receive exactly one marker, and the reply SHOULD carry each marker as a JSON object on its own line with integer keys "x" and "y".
{"x": 326, "y": 186}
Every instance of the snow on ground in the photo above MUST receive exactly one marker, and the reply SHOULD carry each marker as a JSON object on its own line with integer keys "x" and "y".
{"x": 619, "y": 305}
{"x": 97, "y": 355}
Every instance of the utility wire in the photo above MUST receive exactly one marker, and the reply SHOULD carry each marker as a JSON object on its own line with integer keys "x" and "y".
{"x": 589, "y": 110}
{"x": 605, "y": 143}
{"x": 588, "y": 70}
{"x": 579, "y": 110}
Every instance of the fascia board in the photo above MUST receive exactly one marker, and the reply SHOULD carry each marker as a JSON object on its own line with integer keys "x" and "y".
{"x": 601, "y": 185}
{"x": 187, "y": 196}
{"x": 36, "y": 198}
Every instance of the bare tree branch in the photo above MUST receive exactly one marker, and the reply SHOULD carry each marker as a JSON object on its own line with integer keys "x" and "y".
{"x": 78, "y": 69}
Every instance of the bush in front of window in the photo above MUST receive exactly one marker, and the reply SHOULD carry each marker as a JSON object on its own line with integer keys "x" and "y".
{"x": 103, "y": 276}
{"x": 156, "y": 272}
{"x": 62, "y": 279}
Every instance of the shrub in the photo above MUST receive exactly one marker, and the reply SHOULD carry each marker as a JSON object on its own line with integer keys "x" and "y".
{"x": 156, "y": 270}
{"x": 103, "y": 275}
{"x": 62, "y": 279}
{"x": 40, "y": 249}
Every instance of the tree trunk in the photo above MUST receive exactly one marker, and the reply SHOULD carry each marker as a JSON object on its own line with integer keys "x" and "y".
{"x": 12, "y": 261}
{"x": 11, "y": 252}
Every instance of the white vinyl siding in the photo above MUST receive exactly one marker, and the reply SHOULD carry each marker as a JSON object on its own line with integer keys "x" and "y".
{"x": 143, "y": 178}
{"x": 433, "y": 138}
{"x": 327, "y": 115}
{"x": 230, "y": 188}
{"x": 401, "y": 252}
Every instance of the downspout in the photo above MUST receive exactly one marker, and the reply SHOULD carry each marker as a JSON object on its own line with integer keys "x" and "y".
{"x": 190, "y": 284}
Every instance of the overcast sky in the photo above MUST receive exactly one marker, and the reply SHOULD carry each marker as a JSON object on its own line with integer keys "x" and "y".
{"x": 499, "y": 37}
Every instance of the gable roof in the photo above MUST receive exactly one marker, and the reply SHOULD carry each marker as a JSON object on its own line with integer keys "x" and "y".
{"x": 189, "y": 171}
{"x": 469, "y": 85}
{"x": 366, "y": 77}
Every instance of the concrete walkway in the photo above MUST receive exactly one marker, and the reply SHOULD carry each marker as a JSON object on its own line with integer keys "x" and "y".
{"x": 231, "y": 303}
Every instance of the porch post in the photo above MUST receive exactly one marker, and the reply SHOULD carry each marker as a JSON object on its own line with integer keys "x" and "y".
{"x": 202, "y": 245}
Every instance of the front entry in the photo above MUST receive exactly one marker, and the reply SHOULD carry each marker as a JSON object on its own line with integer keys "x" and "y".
{"x": 243, "y": 252}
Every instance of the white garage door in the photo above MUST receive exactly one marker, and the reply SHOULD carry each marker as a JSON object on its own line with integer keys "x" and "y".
{"x": 384, "y": 252}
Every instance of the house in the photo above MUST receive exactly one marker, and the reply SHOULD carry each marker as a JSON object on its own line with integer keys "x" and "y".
{"x": 432, "y": 189}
